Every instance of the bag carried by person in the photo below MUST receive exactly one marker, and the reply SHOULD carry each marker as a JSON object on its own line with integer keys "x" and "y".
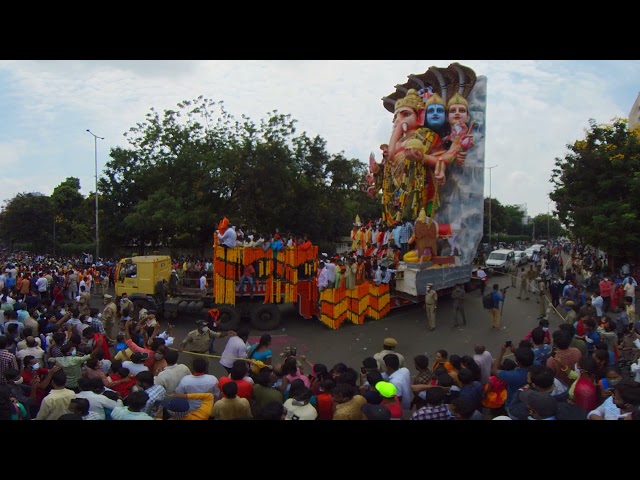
{"x": 487, "y": 301}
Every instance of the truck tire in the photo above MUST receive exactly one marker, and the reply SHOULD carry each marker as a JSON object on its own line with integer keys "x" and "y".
{"x": 192, "y": 307}
{"x": 265, "y": 317}
{"x": 229, "y": 317}
{"x": 182, "y": 306}
{"x": 141, "y": 304}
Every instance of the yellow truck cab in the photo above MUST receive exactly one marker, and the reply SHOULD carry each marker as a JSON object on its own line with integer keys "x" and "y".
{"x": 142, "y": 278}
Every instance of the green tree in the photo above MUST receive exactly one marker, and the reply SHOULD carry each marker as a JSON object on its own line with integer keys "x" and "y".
{"x": 75, "y": 212}
{"x": 26, "y": 222}
{"x": 186, "y": 168}
{"x": 546, "y": 225}
{"x": 499, "y": 218}
{"x": 597, "y": 188}
{"x": 513, "y": 216}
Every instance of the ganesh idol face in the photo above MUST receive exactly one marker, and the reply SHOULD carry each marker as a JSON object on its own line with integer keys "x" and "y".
{"x": 458, "y": 114}
{"x": 407, "y": 117}
{"x": 435, "y": 116}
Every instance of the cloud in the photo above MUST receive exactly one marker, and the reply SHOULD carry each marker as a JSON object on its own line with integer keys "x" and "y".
{"x": 534, "y": 109}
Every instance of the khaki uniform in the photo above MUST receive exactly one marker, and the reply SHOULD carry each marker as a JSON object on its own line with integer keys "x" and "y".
{"x": 126, "y": 304}
{"x": 531, "y": 277}
{"x": 109, "y": 317}
{"x": 199, "y": 342}
{"x": 430, "y": 302}
{"x": 513, "y": 273}
{"x": 84, "y": 303}
{"x": 523, "y": 285}
{"x": 542, "y": 293}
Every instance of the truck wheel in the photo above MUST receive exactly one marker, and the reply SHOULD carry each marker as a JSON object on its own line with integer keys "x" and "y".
{"x": 229, "y": 318}
{"x": 192, "y": 307}
{"x": 265, "y": 317}
{"x": 141, "y": 304}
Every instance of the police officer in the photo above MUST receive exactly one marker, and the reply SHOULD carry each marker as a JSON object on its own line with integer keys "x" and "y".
{"x": 430, "y": 305}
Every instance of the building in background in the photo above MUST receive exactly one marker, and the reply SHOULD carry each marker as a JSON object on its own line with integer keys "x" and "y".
{"x": 634, "y": 114}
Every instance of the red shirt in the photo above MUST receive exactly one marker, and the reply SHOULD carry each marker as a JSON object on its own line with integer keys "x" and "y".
{"x": 605, "y": 289}
{"x": 585, "y": 395}
{"x": 122, "y": 388}
{"x": 248, "y": 271}
{"x": 100, "y": 341}
{"x": 324, "y": 406}
{"x": 27, "y": 376}
{"x": 244, "y": 388}
{"x": 395, "y": 408}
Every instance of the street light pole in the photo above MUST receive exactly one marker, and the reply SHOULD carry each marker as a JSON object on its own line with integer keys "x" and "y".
{"x": 548, "y": 217}
{"x": 95, "y": 145}
{"x": 490, "y": 168}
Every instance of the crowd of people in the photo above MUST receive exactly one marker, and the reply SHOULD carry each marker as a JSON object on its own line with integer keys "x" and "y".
{"x": 62, "y": 359}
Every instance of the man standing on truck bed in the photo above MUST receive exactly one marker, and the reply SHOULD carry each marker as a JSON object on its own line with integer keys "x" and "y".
{"x": 430, "y": 305}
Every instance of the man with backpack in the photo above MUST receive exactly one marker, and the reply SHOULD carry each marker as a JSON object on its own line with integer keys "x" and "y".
{"x": 491, "y": 301}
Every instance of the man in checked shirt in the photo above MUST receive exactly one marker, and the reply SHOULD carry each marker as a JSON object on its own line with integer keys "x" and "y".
{"x": 405, "y": 234}
{"x": 435, "y": 408}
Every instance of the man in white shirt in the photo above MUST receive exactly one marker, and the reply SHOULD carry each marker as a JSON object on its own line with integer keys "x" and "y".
{"x": 41, "y": 284}
{"x": 401, "y": 378}
{"x": 97, "y": 402}
{"x": 199, "y": 382}
{"x": 136, "y": 364}
{"x": 235, "y": 348}
{"x": 203, "y": 282}
{"x": 228, "y": 238}
{"x": 331, "y": 274}
{"x": 484, "y": 361}
{"x": 323, "y": 278}
{"x": 173, "y": 373}
{"x": 32, "y": 349}
{"x": 630, "y": 288}
{"x": 597, "y": 302}
{"x": 481, "y": 274}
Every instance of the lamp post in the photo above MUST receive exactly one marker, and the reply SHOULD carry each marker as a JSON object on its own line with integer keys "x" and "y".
{"x": 490, "y": 168}
{"x": 95, "y": 145}
{"x": 548, "y": 217}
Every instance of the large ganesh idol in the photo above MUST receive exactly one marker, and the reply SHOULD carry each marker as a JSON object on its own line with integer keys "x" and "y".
{"x": 435, "y": 156}
{"x": 412, "y": 173}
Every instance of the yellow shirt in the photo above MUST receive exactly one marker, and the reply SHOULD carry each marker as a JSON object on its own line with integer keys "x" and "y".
{"x": 204, "y": 411}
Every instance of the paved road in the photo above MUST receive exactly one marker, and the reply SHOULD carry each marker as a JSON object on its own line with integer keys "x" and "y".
{"x": 352, "y": 343}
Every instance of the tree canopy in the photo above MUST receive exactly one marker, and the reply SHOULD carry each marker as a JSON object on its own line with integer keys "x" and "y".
{"x": 597, "y": 188}
{"x": 185, "y": 168}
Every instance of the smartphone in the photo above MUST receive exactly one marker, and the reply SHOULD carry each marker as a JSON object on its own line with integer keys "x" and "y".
{"x": 507, "y": 343}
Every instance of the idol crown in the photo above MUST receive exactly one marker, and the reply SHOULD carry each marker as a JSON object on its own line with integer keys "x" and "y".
{"x": 456, "y": 98}
{"x": 411, "y": 100}
{"x": 434, "y": 99}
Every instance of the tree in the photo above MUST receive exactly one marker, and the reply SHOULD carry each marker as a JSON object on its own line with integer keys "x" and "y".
{"x": 597, "y": 188}
{"x": 546, "y": 224}
{"x": 26, "y": 222}
{"x": 513, "y": 216}
{"x": 76, "y": 213}
{"x": 186, "y": 168}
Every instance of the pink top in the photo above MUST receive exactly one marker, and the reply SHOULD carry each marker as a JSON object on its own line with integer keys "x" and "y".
{"x": 299, "y": 376}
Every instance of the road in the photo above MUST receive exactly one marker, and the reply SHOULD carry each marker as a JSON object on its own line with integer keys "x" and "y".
{"x": 352, "y": 343}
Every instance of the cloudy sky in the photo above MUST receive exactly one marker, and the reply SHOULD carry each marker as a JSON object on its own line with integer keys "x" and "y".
{"x": 534, "y": 109}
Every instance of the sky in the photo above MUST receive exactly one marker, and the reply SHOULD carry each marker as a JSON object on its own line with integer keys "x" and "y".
{"x": 534, "y": 109}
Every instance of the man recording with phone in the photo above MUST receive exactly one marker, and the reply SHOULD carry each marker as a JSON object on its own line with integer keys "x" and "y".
{"x": 497, "y": 296}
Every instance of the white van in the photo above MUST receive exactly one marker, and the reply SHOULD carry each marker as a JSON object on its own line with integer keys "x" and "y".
{"x": 533, "y": 249}
{"x": 500, "y": 260}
